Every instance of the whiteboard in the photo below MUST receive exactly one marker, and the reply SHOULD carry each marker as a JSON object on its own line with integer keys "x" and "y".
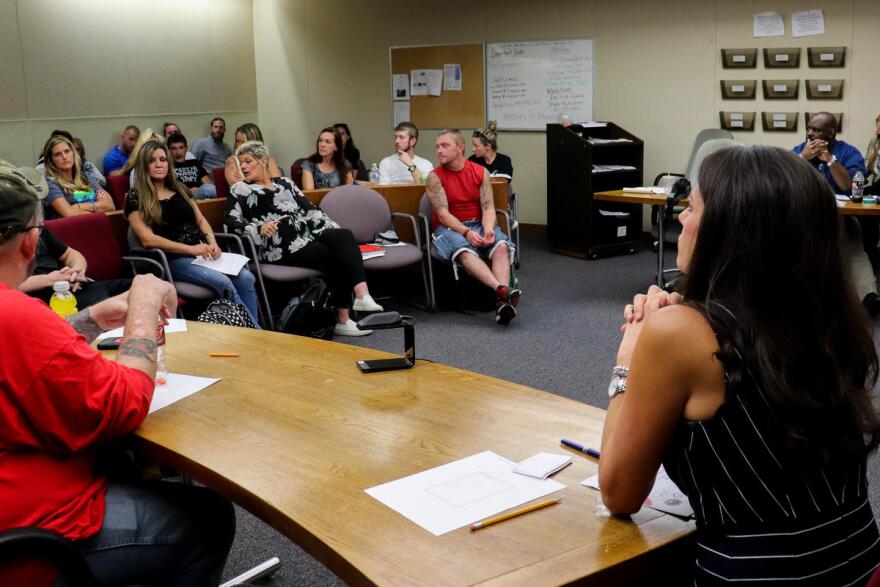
{"x": 532, "y": 83}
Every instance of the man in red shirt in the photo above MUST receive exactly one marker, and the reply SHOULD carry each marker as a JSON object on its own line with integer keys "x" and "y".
{"x": 464, "y": 224}
{"x": 60, "y": 399}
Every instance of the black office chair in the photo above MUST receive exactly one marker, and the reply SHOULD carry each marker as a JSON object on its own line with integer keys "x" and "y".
{"x": 29, "y": 544}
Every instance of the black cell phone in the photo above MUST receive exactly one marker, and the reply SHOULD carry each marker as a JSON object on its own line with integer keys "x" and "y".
{"x": 109, "y": 344}
{"x": 384, "y": 364}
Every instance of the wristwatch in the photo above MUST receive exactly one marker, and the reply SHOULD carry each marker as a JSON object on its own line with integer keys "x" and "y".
{"x": 411, "y": 168}
{"x": 832, "y": 161}
{"x": 618, "y": 381}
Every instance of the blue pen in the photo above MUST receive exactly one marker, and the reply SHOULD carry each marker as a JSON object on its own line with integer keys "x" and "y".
{"x": 579, "y": 447}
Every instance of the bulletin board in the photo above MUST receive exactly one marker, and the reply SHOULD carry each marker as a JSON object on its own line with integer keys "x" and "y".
{"x": 451, "y": 109}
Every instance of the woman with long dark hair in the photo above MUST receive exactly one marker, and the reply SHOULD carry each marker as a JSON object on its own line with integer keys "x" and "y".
{"x": 351, "y": 153}
{"x": 753, "y": 390}
{"x": 326, "y": 167}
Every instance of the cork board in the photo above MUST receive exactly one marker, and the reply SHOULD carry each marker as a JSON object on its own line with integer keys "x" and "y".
{"x": 451, "y": 109}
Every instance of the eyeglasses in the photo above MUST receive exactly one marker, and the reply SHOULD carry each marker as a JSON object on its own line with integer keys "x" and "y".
{"x": 14, "y": 229}
{"x": 39, "y": 228}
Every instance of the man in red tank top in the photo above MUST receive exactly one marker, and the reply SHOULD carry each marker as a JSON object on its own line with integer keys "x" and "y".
{"x": 463, "y": 221}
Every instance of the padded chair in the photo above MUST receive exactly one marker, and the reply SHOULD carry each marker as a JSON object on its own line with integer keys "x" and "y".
{"x": 219, "y": 174}
{"x": 366, "y": 213}
{"x": 512, "y": 210}
{"x": 118, "y": 186}
{"x": 92, "y": 235}
{"x": 296, "y": 172}
{"x": 431, "y": 251}
{"x": 32, "y": 546}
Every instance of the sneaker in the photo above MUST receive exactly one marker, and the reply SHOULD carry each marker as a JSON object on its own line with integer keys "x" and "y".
{"x": 513, "y": 296}
{"x": 366, "y": 304}
{"x": 505, "y": 313}
{"x": 349, "y": 329}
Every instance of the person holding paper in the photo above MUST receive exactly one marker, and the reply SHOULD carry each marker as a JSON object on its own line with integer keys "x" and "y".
{"x": 60, "y": 399}
{"x": 70, "y": 192}
{"x": 753, "y": 388}
{"x": 404, "y": 166}
{"x": 838, "y": 162}
{"x": 289, "y": 230}
{"x": 164, "y": 216}
{"x": 485, "y": 145}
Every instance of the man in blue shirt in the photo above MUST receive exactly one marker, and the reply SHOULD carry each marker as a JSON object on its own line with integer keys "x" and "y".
{"x": 118, "y": 155}
{"x": 838, "y": 162}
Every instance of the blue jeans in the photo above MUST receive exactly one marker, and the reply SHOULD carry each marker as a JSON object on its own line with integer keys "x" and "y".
{"x": 205, "y": 191}
{"x": 235, "y": 288}
{"x": 160, "y": 533}
{"x": 450, "y": 244}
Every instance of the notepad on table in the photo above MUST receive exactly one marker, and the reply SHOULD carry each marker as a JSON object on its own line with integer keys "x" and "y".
{"x": 542, "y": 465}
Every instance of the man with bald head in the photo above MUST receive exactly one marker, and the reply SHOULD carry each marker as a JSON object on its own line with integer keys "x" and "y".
{"x": 839, "y": 161}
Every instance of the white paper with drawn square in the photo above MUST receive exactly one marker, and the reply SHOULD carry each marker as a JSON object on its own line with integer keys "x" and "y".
{"x": 451, "y": 496}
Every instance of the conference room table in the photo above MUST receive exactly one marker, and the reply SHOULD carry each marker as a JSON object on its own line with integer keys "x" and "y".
{"x": 294, "y": 433}
{"x": 847, "y": 208}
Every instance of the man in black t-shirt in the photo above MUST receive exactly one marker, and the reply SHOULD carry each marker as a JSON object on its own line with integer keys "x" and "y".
{"x": 190, "y": 172}
{"x": 55, "y": 261}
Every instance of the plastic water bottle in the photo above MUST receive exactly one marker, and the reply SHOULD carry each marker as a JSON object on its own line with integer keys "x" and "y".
{"x": 374, "y": 173}
{"x": 161, "y": 368}
{"x": 858, "y": 186}
{"x": 62, "y": 301}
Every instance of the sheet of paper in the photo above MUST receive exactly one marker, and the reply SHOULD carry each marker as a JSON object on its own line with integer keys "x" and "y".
{"x": 807, "y": 22}
{"x": 178, "y": 387}
{"x": 228, "y": 263}
{"x": 174, "y": 325}
{"x": 454, "y": 495}
{"x": 400, "y": 86}
{"x": 768, "y": 24}
{"x": 452, "y": 77}
{"x": 664, "y": 497}
{"x": 401, "y": 112}
{"x": 426, "y": 82}
{"x": 542, "y": 465}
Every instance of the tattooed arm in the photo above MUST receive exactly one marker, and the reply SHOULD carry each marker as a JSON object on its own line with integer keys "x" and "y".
{"x": 487, "y": 205}
{"x": 440, "y": 205}
{"x": 83, "y": 323}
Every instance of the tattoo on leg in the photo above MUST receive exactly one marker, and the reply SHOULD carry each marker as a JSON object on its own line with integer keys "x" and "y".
{"x": 142, "y": 348}
{"x": 83, "y": 323}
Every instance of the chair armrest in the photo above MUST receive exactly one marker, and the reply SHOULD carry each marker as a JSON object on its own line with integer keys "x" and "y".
{"x": 426, "y": 226}
{"x": 415, "y": 225}
{"x": 232, "y": 241}
{"x": 158, "y": 256}
{"x": 150, "y": 262}
{"x": 506, "y": 216}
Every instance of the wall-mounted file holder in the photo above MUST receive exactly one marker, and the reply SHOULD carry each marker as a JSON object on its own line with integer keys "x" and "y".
{"x": 826, "y": 56}
{"x": 739, "y": 58}
{"x": 782, "y": 57}
{"x": 837, "y": 115}
{"x": 775, "y": 89}
{"x": 824, "y": 89}
{"x": 737, "y": 120}
{"x": 779, "y": 121}
{"x": 738, "y": 89}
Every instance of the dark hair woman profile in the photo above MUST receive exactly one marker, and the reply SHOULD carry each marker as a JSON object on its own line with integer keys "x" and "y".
{"x": 754, "y": 388}
{"x": 351, "y": 153}
{"x": 163, "y": 215}
{"x": 326, "y": 167}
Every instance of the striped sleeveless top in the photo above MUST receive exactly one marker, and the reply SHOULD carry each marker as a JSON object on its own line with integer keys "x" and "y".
{"x": 764, "y": 516}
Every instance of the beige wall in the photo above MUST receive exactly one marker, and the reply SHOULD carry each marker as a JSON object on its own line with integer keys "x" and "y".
{"x": 657, "y": 69}
{"x": 94, "y": 66}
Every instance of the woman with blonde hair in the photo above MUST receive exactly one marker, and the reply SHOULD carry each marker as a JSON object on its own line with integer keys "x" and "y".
{"x": 485, "y": 144}
{"x": 70, "y": 192}
{"x": 246, "y": 132}
{"x": 163, "y": 215}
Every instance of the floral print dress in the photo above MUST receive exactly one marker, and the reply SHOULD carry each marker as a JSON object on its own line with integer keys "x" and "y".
{"x": 251, "y": 205}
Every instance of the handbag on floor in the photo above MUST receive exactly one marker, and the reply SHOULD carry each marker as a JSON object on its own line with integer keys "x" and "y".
{"x": 310, "y": 313}
{"x": 228, "y": 313}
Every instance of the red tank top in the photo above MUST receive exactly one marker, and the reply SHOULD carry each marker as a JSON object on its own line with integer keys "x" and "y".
{"x": 462, "y": 191}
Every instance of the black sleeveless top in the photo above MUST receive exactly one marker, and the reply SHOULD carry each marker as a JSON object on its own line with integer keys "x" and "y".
{"x": 763, "y": 515}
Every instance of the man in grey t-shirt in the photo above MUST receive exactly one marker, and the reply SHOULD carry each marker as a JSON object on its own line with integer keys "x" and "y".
{"x": 211, "y": 151}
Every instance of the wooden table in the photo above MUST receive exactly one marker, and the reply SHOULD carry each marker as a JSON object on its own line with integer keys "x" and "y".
{"x": 845, "y": 208}
{"x": 295, "y": 433}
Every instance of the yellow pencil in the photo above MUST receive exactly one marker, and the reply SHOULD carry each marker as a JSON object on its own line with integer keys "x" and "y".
{"x": 230, "y": 355}
{"x": 513, "y": 514}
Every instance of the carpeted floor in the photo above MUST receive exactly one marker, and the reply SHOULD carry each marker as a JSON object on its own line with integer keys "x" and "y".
{"x": 564, "y": 341}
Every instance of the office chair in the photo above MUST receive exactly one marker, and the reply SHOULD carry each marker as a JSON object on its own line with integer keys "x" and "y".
{"x": 30, "y": 546}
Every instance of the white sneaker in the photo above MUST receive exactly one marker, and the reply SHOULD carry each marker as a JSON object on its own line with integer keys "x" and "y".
{"x": 366, "y": 304}
{"x": 349, "y": 329}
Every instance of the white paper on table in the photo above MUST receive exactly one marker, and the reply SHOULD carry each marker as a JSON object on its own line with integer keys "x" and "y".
{"x": 174, "y": 325}
{"x": 452, "y": 77}
{"x": 665, "y": 495}
{"x": 807, "y": 22}
{"x": 228, "y": 263}
{"x": 178, "y": 387}
{"x": 454, "y": 495}
{"x": 401, "y": 112}
{"x": 400, "y": 86}
{"x": 542, "y": 465}
{"x": 592, "y": 124}
{"x": 768, "y": 24}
